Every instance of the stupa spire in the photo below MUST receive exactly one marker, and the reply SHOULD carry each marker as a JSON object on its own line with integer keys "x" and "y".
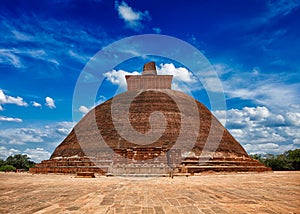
{"x": 149, "y": 79}
{"x": 149, "y": 69}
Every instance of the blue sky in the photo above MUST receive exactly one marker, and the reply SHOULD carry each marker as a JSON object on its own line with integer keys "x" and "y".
{"x": 253, "y": 46}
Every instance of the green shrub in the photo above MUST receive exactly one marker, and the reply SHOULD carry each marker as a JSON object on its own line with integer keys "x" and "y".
{"x": 6, "y": 168}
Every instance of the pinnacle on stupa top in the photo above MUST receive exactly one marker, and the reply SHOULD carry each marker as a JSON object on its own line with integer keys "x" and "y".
{"x": 149, "y": 69}
{"x": 149, "y": 79}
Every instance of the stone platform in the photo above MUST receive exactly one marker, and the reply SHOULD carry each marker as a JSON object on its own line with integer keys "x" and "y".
{"x": 131, "y": 162}
{"x": 270, "y": 192}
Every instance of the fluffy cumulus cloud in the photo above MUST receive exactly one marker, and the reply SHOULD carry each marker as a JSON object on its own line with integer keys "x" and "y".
{"x": 270, "y": 127}
{"x": 83, "y": 109}
{"x": 293, "y": 118}
{"x": 183, "y": 79}
{"x": 117, "y": 77}
{"x": 260, "y": 130}
{"x": 133, "y": 18}
{"x": 36, "y": 104}
{"x": 5, "y": 99}
{"x": 50, "y": 102}
{"x": 180, "y": 74}
{"x": 36, "y": 142}
{"x": 4, "y": 152}
{"x": 37, "y": 154}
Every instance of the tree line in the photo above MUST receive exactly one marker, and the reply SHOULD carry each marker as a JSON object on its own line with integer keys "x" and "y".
{"x": 16, "y": 162}
{"x": 289, "y": 160}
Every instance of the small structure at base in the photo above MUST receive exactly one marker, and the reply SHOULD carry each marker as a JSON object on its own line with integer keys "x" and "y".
{"x": 85, "y": 175}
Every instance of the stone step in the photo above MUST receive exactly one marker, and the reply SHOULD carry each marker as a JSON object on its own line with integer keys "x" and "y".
{"x": 197, "y": 169}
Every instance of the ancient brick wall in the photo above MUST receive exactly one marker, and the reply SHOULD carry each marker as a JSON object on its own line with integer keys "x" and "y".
{"x": 138, "y": 82}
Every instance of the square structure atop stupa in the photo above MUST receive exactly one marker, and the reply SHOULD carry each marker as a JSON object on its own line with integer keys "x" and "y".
{"x": 149, "y": 79}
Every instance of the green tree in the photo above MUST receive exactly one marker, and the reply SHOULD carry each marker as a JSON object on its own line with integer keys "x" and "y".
{"x": 289, "y": 160}
{"x": 2, "y": 162}
{"x": 278, "y": 163}
{"x": 293, "y": 157}
{"x": 20, "y": 161}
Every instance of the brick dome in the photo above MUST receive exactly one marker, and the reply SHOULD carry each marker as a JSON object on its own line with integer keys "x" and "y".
{"x": 143, "y": 105}
{"x": 84, "y": 150}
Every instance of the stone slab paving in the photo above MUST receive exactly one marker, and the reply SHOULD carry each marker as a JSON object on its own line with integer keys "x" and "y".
{"x": 272, "y": 192}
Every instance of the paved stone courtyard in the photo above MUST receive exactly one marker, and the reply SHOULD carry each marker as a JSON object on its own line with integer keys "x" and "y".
{"x": 272, "y": 192}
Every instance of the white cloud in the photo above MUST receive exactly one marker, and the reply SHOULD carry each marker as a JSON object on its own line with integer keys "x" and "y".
{"x": 268, "y": 148}
{"x": 267, "y": 90}
{"x": 21, "y": 136}
{"x": 261, "y": 130}
{"x": 1, "y": 108}
{"x": 290, "y": 131}
{"x": 118, "y": 77}
{"x": 221, "y": 69}
{"x": 293, "y": 118}
{"x": 50, "y": 102}
{"x": 4, "y": 152}
{"x": 250, "y": 116}
{"x": 83, "y": 109}
{"x": 131, "y": 17}
{"x": 13, "y": 56}
{"x": 213, "y": 84}
{"x": 79, "y": 57}
{"x": 257, "y": 113}
{"x": 63, "y": 130}
{"x": 36, "y": 104}
{"x": 54, "y": 49}
{"x": 37, "y": 154}
{"x": 101, "y": 99}
{"x": 256, "y": 70}
{"x": 10, "y": 119}
{"x": 179, "y": 74}
{"x": 19, "y": 139}
{"x": 21, "y": 36}
{"x": 9, "y": 57}
{"x": 183, "y": 80}
{"x": 281, "y": 7}
{"x": 5, "y": 99}
{"x": 296, "y": 141}
{"x": 266, "y": 93}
